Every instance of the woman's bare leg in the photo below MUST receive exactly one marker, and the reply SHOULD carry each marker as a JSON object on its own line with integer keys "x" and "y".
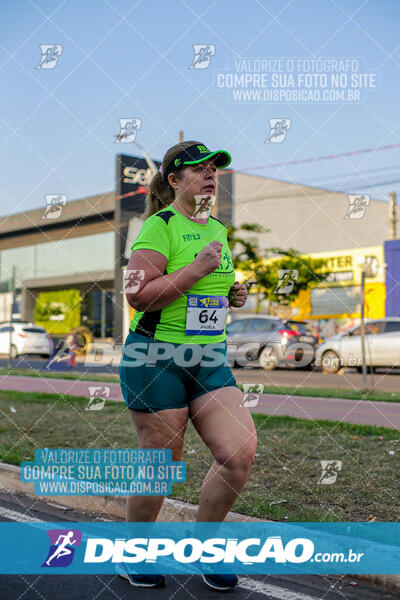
{"x": 228, "y": 430}
{"x": 162, "y": 429}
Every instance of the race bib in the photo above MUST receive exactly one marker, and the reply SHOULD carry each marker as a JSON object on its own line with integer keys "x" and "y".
{"x": 206, "y": 315}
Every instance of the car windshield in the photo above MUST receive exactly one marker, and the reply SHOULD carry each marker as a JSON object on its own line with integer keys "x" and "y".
{"x": 260, "y": 325}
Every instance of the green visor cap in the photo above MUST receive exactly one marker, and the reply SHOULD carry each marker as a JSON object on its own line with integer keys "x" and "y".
{"x": 197, "y": 154}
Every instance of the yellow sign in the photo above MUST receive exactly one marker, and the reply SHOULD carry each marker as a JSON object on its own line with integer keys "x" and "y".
{"x": 346, "y": 265}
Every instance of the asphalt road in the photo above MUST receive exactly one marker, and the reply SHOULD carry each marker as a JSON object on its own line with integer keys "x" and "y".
{"x": 379, "y": 414}
{"x": 104, "y": 587}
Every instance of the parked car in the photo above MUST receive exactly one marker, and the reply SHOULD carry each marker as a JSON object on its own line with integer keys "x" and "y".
{"x": 260, "y": 341}
{"x": 382, "y": 347}
{"x": 26, "y": 338}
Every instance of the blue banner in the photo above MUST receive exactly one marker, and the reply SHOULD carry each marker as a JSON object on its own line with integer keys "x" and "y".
{"x": 187, "y": 548}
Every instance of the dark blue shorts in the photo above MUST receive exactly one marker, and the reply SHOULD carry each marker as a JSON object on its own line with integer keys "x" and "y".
{"x": 159, "y": 375}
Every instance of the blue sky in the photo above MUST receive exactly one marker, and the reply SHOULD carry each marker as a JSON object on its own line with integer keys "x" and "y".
{"x": 131, "y": 58}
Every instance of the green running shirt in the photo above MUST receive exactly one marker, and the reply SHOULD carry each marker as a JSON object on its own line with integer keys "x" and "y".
{"x": 179, "y": 239}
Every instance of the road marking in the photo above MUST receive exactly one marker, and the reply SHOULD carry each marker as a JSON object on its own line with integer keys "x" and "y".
{"x": 272, "y": 591}
{"x": 58, "y": 506}
{"x": 13, "y": 515}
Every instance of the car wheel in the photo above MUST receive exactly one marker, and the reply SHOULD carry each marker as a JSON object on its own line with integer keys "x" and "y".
{"x": 330, "y": 362}
{"x": 14, "y": 352}
{"x": 267, "y": 359}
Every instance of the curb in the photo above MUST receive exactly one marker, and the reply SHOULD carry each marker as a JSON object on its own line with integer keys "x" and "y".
{"x": 104, "y": 506}
{"x": 171, "y": 511}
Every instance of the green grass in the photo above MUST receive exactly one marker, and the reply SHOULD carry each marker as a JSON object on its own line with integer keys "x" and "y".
{"x": 287, "y": 466}
{"x": 376, "y": 395}
{"x": 64, "y": 375}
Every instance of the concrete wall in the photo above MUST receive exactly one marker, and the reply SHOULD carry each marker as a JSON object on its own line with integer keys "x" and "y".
{"x": 306, "y": 218}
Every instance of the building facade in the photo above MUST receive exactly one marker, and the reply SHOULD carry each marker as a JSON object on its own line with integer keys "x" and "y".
{"x": 74, "y": 251}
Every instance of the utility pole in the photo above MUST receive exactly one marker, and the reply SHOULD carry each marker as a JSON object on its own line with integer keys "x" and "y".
{"x": 393, "y": 216}
{"x": 362, "y": 331}
{"x": 12, "y": 290}
{"x": 366, "y": 271}
{"x": 180, "y": 136}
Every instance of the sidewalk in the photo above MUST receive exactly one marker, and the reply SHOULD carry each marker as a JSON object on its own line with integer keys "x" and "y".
{"x": 71, "y": 387}
{"x": 362, "y": 412}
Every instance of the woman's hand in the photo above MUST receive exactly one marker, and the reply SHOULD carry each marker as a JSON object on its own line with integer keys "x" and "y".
{"x": 237, "y": 295}
{"x": 209, "y": 258}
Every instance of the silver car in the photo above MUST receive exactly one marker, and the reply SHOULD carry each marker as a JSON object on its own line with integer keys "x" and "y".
{"x": 260, "y": 341}
{"x": 382, "y": 347}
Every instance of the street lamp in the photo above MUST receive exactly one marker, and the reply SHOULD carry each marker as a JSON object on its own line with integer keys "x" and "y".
{"x": 150, "y": 163}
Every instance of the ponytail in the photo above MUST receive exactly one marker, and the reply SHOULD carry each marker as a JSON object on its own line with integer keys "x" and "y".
{"x": 161, "y": 194}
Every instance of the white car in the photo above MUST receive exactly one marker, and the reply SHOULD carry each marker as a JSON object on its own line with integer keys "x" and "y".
{"x": 382, "y": 347}
{"x": 26, "y": 338}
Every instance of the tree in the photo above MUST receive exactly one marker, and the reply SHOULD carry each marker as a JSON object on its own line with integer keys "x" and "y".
{"x": 278, "y": 280}
{"x": 281, "y": 279}
{"x": 245, "y": 250}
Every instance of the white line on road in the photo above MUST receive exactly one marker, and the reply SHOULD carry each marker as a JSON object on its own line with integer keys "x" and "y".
{"x": 272, "y": 591}
{"x": 13, "y": 515}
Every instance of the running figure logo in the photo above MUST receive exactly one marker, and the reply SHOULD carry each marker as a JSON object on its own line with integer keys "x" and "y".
{"x": 357, "y": 206}
{"x": 97, "y": 397}
{"x": 50, "y": 55}
{"x": 278, "y": 130}
{"x": 372, "y": 263}
{"x": 132, "y": 279}
{"x": 287, "y": 279}
{"x": 203, "y": 54}
{"x": 330, "y": 470}
{"x": 62, "y": 547}
{"x": 128, "y": 130}
{"x": 251, "y": 394}
{"x": 63, "y": 358}
{"x": 203, "y": 206}
{"x": 226, "y": 265}
{"x": 54, "y": 205}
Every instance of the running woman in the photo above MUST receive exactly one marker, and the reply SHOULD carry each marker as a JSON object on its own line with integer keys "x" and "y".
{"x": 184, "y": 283}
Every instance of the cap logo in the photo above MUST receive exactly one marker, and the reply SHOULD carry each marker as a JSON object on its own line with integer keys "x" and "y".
{"x": 177, "y": 161}
{"x": 203, "y": 149}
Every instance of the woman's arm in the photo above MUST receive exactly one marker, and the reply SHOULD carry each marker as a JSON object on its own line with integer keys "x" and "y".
{"x": 158, "y": 290}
